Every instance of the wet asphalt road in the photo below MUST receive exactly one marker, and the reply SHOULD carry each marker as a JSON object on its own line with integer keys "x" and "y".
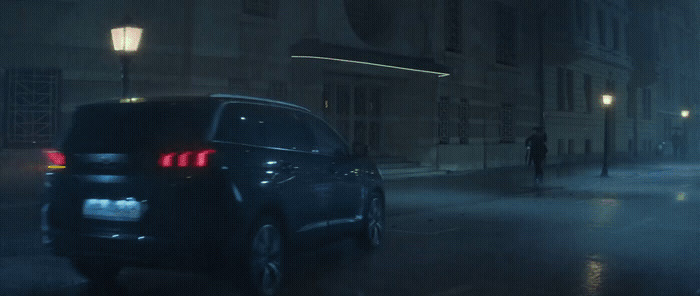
{"x": 636, "y": 233}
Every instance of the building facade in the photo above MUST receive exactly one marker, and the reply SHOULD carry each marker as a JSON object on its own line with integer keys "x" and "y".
{"x": 445, "y": 83}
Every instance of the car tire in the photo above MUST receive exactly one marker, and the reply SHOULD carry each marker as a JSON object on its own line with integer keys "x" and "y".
{"x": 97, "y": 271}
{"x": 373, "y": 225}
{"x": 266, "y": 259}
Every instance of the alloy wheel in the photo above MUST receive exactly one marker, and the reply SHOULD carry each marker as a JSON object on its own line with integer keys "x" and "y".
{"x": 266, "y": 257}
{"x": 375, "y": 222}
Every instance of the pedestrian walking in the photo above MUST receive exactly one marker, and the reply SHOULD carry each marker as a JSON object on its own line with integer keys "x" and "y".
{"x": 538, "y": 151}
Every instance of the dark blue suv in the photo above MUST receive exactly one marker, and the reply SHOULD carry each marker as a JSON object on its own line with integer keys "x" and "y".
{"x": 191, "y": 181}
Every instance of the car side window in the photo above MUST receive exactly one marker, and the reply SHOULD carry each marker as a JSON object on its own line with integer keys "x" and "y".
{"x": 285, "y": 129}
{"x": 241, "y": 123}
{"x": 328, "y": 142}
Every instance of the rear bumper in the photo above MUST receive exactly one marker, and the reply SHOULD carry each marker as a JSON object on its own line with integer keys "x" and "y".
{"x": 127, "y": 248}
{"x": 134, "y": 250}
{"x": 186, "y": 219}
{"x": 185, "y": 249}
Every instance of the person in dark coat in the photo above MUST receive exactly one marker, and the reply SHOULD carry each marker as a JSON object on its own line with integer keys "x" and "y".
{"x": 538, "y": 151}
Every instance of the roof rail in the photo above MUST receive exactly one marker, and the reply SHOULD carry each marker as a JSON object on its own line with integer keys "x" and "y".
{"x": 247, "y": 98}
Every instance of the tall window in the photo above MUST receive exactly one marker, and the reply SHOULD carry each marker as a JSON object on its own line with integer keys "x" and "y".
{"x": 561, "y": 96}
{"x": 561, "y": 147}
{"x": 646, "y": 104}
{"x": 453, "y": 26}
{"x": 463, "y": 121}
{"x": 627, "y": 38}
{"x": 588, "y": 92}
{"x": 444, "y": 120}
{"x": 33, "y": 98}
{"x": 630, "y": 145}
{"x": 342, "y": 109}
{"x": 570, "y": 90}
{"x": 570, "y": 146}
{"x": 666, "y": 83}
{"x": 602, "y": 28}
{"x": 587, "y": 148}
{"x": 506, "y": 30}
{"x": 264, "y": 8}
{"x": 360, "y": 107}
{"x": 631, "y": 102}
{"x": 565, "y": 90}
{"x": 507, "y": 135}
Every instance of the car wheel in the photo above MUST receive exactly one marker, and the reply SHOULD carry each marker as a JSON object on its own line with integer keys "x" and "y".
{"x": 95, "y": 270}
{"x": 266, "y": 257}
{"x": 373, "y": 226}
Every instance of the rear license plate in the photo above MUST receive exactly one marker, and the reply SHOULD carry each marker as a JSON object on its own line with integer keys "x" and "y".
{"x": 113, "y": 210}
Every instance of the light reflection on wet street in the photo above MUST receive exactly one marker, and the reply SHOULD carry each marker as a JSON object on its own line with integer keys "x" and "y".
{"x": 614, "y": 237}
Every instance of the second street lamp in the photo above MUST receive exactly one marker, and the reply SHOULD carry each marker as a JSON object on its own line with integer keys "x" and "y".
{"x": 607, "y": 100}
{"x": 125, "y": 40}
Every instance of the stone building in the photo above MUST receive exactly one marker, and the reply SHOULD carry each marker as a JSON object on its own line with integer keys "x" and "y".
{"x": 665, "y": 78}
{"x": 446, "y": 83}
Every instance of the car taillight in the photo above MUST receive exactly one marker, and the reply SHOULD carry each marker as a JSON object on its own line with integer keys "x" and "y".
{"x": 166, "y": 160}
{"x": 57, "y": 160}
{"x": 202, "y": 159}
{"x": 199, "y": 158}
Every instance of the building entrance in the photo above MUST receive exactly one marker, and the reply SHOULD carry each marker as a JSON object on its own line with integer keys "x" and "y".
{"x": 355, "y": 108}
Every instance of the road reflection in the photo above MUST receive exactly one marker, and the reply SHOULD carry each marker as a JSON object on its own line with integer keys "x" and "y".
{"x": 594, "y": 275}
{"x": 604, "y": 210}
{"x": 681, "y": 196}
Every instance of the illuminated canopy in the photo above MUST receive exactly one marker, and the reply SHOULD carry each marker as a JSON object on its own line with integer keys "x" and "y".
{"x": 315, "y": 49}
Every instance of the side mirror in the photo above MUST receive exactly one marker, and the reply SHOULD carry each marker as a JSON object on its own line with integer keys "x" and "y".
{"x": 359, "y": 149}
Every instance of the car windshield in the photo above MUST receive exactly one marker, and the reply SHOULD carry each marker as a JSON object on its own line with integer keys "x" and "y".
{"x": 121, "y": 128}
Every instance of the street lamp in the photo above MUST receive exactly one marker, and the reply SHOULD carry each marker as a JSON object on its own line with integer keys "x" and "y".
{"x": 607, "y": 99}
{"x": 125, "y": 39}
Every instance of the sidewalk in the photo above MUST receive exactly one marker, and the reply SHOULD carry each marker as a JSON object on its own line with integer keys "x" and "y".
{"x": 660, "y": 179}
{"x": 508, "y": 180}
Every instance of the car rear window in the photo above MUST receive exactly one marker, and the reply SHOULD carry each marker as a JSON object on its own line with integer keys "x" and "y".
{"x": 122, "y": 128}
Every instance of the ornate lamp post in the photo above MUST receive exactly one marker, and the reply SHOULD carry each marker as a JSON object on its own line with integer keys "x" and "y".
{"x": 607, "y": 99}
{"x": 125, "y": 39}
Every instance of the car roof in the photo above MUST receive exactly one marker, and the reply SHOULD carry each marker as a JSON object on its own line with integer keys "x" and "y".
{"x": 258, "y": 100}
{"x": 211, "y": 98}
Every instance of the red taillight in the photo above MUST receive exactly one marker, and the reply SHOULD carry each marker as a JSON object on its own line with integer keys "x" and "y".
{"x": 56, "y": 158}
{"x": 203, "y": 158}
{"x": 184, "y": 159}
{"x": 166, "y": 160}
